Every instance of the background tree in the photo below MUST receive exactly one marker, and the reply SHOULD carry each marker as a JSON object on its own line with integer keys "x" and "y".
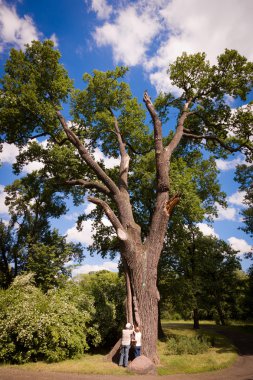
{"x": 28, "y": 243}
{"x": 105, "y": 115}
{"x": 198, "y": 274}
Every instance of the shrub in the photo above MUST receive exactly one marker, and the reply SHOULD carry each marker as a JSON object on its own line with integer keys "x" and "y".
{"x": 180, "y": 344}
{"x": 34, "y": 325}
{"x": 107, "y": 290}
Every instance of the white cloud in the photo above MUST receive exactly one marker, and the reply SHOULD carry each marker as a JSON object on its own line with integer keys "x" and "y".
{"x": 172, "y": 27}
{"x": 15, "y": 30}
{"x": 237, "y": 198}
{"x": 228, "y": 213}
{"x": 71, "y": 216}
{"x": 102, "y": 9}
{"x": 90, "y": 207}
{"x": 35, "y": 165}
{"x": 86, "y": 268}
{"x": 54, "y": 38}
{"x": 225, "y": 165}
{"x": 84, "y": 236}
{"x": 239, "y": 245}
{"x": 207, "y": 230}
{"x": 129, "y": 35}
{"x": 3, "y": 207}
{"x": 9, "y": 153}
{"x": 109, "y": 162}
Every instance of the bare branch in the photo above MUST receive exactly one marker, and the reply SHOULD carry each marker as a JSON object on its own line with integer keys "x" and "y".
{"x": 160, "y": 159}
{"x": 87, "y": 157}
{"x": 89, "y": 185}
{"x": 156, "y": 122}
{"x": 219, "y": 141}
{"x": 121, "y": 233}
{"x": 124, "y": 162}
{"x": 179, "y": 131}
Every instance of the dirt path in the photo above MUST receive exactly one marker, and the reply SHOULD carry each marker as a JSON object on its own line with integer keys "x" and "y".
{"x": 241, "y": 370}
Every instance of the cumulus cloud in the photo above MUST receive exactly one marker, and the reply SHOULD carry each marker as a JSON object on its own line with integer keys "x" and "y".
{"x": 86, "y": 268}
{"x": 8, "y": 156}
{"x": 207, "y": 230}
{"x": 237, "y": 198}
{"x": 3, "y": 207}
{"x": 109, "y": 162}
{"x": 239, "y": 245}
{"x": 225, "y": 165}
{"x": 84, "y": 236}
{"x": 153, "y": 34}
{"x": 129, "y": 34}
{"x": 54, "y": 38}
{"x": 15, "y": 30}
{"x": 228, "y": 213}
{"x": 9, "y": 153}
{"x": 102, "y": 8}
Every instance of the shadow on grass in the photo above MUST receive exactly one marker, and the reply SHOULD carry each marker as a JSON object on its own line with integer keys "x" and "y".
{"x": 241, "y": 336}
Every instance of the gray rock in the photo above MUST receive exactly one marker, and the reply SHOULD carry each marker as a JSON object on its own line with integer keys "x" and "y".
{"x": 143, "y": 366}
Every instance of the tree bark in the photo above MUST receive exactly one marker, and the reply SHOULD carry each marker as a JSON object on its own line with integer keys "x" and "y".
{"x": 195, "y": 318}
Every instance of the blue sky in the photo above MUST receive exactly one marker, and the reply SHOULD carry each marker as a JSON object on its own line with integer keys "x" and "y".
{"x": 146, "y": 36}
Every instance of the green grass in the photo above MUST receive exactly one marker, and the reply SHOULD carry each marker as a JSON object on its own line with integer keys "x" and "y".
{"x": 221, "y": 355}
{"x": 87, "y": 364}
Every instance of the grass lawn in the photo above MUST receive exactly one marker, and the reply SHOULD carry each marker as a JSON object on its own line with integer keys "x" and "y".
{"x": 221, "y": 355}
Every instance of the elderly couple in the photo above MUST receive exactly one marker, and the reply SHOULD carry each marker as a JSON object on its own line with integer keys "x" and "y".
{"x": 129, "y": 334}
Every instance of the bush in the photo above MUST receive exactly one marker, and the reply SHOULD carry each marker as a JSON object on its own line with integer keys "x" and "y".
{"x": 107, "y": 290}
{"x": 180, "y": 344}
{"x": 37, "y": 326}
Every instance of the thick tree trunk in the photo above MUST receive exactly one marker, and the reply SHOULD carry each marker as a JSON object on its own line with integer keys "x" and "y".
{"x": 221, "y": 314}
{"x": 145, "y": 296}
{"x": 195, "y": 318}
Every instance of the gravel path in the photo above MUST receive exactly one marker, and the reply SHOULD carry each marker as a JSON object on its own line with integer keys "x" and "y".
{"x": 241, "y": 370}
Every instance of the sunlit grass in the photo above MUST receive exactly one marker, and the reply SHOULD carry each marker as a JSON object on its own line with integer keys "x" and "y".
{"x": 88, "y": 364}
{"x": 222, "y": 355}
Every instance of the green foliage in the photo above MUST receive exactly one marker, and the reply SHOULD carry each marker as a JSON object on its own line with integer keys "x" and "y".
{"x": 28, "y": 242}
{"x": 192, "y": 345}
{"x": 33, "y": 85}
{"x": 244, "y": 175}
{"x": 36, "y": 326}
{"x": 200, "y": 273}
{"x": 107, "y": 290}
{"x": 94, "y": 110}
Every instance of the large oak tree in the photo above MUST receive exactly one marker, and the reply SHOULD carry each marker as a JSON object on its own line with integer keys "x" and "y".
{"x": 36, "y": 88}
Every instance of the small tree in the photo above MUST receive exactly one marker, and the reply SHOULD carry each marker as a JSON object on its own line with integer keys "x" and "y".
{"x": 34, "y": 90}
{"x": 28, "y": 243}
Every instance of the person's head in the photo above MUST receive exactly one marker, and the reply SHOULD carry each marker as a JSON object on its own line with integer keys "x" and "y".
{"x": 128, "y": 325}
{"x": 137, "y": 329}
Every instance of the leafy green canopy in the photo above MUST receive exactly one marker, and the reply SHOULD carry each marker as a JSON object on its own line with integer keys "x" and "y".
{"x": 28, "y": 243}
{"x": 199, "y": 272}
{"x": 212, "y": 122}
{"x": 36, "y": 86}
